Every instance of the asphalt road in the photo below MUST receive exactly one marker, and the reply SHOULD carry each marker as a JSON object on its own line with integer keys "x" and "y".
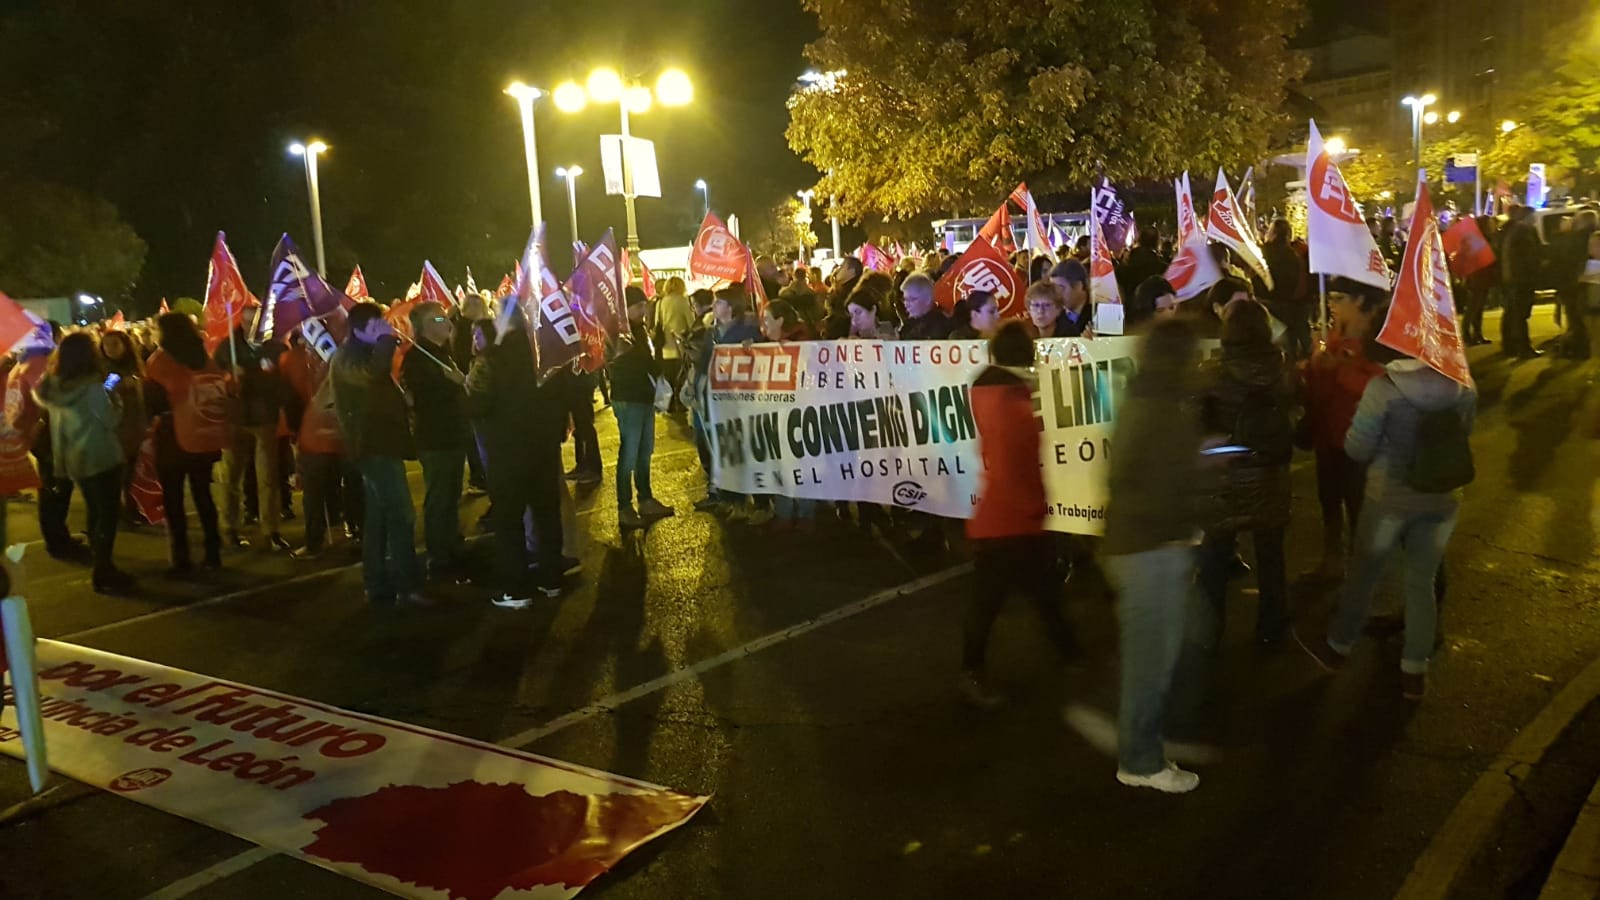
{"x": 840, "y": 760}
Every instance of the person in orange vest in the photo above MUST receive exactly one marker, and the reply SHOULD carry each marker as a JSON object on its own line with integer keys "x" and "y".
{"x": 191, "y": 399}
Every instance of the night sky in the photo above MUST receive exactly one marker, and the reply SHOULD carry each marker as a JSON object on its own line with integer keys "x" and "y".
{"x": 180, "y": 112}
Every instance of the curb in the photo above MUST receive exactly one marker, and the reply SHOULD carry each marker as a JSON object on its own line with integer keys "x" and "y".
{"x": 1576, "y": 873}
{"x": 1435, "y": 873}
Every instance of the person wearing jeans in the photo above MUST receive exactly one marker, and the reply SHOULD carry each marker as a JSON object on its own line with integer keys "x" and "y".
{"x": 1153, "y": 517}
{"x": 1396, "y": 515}
{"x": 187, "y": 395}
{"x": 254, "y": 438}
{"x": 321, "y": 445}
{"x": 443, "y": 436}
{"x": 376, "y": 430}
{"x": 633, "y": 392}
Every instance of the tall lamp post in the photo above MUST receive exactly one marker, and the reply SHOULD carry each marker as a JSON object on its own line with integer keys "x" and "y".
{"x": 604, "y": 86}
{"x": 1418, "y": 106}
{"x": 570, "y": 175}
{"x": 309, "y": 152}
{"x": 525, "y": 95}
{"x": 705, "y": 197}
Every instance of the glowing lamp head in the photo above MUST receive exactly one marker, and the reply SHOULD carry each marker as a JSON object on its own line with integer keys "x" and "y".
{"x": 1431, "y": 118}
{"x": 523, "y": 93}
{"x": 605, "y": 85}
{"x": 297, "y": 148}
{"x": 673, "y": 88}
{"x": 1335, "y": 146}
{"x": 569, "y": 97}
{"x": 700, "y": 184}
{"x": 1508, "y": 126}
{"x": 637, "y": 99}
{"x": 1454, "y": 117}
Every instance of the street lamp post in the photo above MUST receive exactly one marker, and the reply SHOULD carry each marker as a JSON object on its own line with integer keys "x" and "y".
{"x": 525, "y": 95}
{"x": 673, "y": 88}
{"x": 1418, "y": 105}
{"x": 310, "y": 152}
{"x": 833, "y": 217}
{"x": 802, "y": 220}
{"x": 705, "y": 197}
{"x": 570, "y": 174}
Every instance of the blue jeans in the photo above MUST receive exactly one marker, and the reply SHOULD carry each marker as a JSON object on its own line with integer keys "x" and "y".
{"x": 388, "y": 551}
{"x": 441, "y": 505}
{"x": 1153, "y": 590}
{"x": 792, "y": 509}
{"x": 1379, "y": 532}
{"x": 636, "y": 433}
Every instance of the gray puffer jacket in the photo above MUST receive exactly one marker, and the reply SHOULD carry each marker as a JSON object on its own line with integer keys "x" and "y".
{"x": 1384, "y": 433}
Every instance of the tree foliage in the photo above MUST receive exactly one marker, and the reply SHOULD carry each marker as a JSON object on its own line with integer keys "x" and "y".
{"x": 1557, "y": 111}
{"x": 947, "y": 105}
{"x": 56, "y": 241}
{"x": 787, "y": 223}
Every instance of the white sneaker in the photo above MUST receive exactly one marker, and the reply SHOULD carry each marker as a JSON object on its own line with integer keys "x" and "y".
{"x": 506, "y": 601}
{"x": 1171, "y": 780}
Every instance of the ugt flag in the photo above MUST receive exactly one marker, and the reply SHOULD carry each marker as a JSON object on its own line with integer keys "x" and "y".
{"x": 1116, "y": 222}
{"x": 1188, "y": 221}
{"x": 717, "y": 253}
{"x": 1468, "y": 249}
{"x": 997, "y": 231}
{"x": 1336, "y": 236}
{"x": 1422, "y": 316}
{"x": 356, "y": 287}
{"x": 1038, "y": 244}
{"x": 1224, "y": 226}
{"x": 228, "y": 301}
{"x": 980, "y": 268}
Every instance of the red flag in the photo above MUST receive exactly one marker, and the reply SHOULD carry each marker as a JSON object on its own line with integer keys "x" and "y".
{"x": 433, "y": 288}
{"x": 14, "y": 323}
{"x": 164, "y": 309}
{"x": 997, "y": 231}
{"x": 399, "y": 318}
{"x": 1102, "y": 272}
{"x": 1225, "y": 224}
{"x": 874, "y": 259}
{"x": 507, "y": 285}
{"x": 356, "y": 287}
{"x": 981, "y": 268}
{"x": 1469, "y": 251}
{"x": 1188, "y": 222}
{"x": 227, "y": 298}
{"x": 717, "y": 253}
{"x": 1193, "y": 269}
{"x": 752, "y": 283}
{"x": 648, "y": 280}
{"x": 1422, "y": 316}
{"x": 117, "y": 322}
{"x": 146, "y": 486}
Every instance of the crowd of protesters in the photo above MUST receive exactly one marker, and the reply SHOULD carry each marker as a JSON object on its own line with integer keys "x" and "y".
{"x": 1204, "y": 443}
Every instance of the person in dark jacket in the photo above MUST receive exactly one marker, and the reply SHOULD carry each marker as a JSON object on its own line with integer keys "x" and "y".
{"x": 1475, "y": 292}
{"x": 1286, "y": 299}
{"x": 1248, "y": 396}
{"x": 1007, "y": 526}
{"x": 523, "y": 423}
{"x": 1519, "y": 254}
{"x": 837, "y": 322}
{"x": 443, "y": 434}
{"x": 1077, "y": 313}
{"x": 1153, "y": 520}
{"x": 983, "y": 317}
{"x": 729, "y": 325}
{"x": 463, "y": 319}
{"x": 924, "y": 320}
{"x": 633, "y": 394}
{"x": 255, "y": 437}
{"x": 376, "y": 428}
{"x": 1153, "y": 298}
{"x": 1143, "y": 262}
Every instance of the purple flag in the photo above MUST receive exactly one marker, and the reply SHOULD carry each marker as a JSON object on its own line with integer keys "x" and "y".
{"x": 299, "y": 298}
{"x": 1111, "y": 214}
{"x": 553, "y": 329}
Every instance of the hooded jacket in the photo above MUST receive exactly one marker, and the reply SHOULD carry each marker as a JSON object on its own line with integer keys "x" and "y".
{"x": 1252, "y": 494}
{"x": 373, "y": 418}
{"x": 1011, "y": 499}
{"x": 1384, "y": 432}
{"x": 83, "y": 425}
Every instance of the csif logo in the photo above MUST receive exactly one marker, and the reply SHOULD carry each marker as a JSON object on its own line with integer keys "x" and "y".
{"x": 909, "y": 493}
{"x": 139, "y": 779}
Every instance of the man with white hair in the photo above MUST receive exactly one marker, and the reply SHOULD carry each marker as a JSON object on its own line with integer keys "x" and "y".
{"x": 924, "y": 321}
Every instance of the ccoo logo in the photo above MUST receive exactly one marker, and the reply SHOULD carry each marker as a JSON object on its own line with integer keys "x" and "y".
{"x": 909, "y": 493}
{"x": 139, "y": 779}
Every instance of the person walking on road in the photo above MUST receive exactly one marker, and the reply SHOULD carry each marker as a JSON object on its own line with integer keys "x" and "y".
{"x": 376, "y": 427}
{"x": 191, "y": 399}
{"x": 633, "y": 392}
{"x": 1519, "y": 273}
{"x": 439, "y": 404}
{"x": 1412, "y": 427}
{"x": 1153, "y": 521}
{"x": 84, "y": 412}
{"x": 1007, "y": 527}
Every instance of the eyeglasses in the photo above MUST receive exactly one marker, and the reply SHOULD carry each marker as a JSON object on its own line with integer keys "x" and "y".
{"x": 437, "y": 319}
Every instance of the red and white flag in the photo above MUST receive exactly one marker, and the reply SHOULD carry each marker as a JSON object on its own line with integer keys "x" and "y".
{"x": 1193, "y": 269}
{"x": 981, "y": 267}
{"x": 228, "y": 301}
{"x": 1038, "y": 241}
{"x": 647, "y": 280}
{"x": 433, "y": 288}
{"x": 1102, "y": 271}
{"x": 507, "y": 285}
{"x": 164, "y": 308}
{"x": 997, "y": 231}
{"x": 356, "y": 287}
{"x": 15, "y": 326}
{"x": 874, "y": 259}
{"x": 1188, "y": 222}
{"x": 753, "y": 287}
{"x": 117, "y": 322}
{"x": 1422, "y": 316}
{"x": 1468, "y": 249}
{"x": 1336, "y": 235}
{"x": 1225, "y": 224}
{"x": 717, "y": 254}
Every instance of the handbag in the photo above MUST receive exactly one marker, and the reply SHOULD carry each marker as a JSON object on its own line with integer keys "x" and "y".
{"x": 663, "y": 393}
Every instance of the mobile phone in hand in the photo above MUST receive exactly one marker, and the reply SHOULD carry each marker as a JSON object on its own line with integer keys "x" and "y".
{"x": 1227, "y": 449}
{"x": 112, "y": 380}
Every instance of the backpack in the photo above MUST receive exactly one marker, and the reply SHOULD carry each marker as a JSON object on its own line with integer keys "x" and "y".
{"x": 1441, "y": 459}
{"x": 1265, "y": 428}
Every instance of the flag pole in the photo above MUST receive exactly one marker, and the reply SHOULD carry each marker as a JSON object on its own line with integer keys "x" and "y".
{"x": 1477, "y": 184}
{"x": 421, "y": 349}
{"x": 233, "y": 348}
{"x": 1322, "y": 292}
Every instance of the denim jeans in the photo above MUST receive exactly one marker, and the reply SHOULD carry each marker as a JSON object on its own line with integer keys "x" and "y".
{"x": 636, "y": 433}
{"x": 1425, "y": 536}
{"x": 102, "y": 498}
{"x": 441, "y": 505}
{"x": 388, "y": 551}
{"x": 1152, "y": 598}
{"x": 1217, "y": 553}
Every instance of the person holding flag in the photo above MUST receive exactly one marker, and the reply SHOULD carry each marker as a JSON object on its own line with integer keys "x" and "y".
{"x": 190, "y": 398}
{"x": 634, "y": 372}
{"x": 439, "y": 405}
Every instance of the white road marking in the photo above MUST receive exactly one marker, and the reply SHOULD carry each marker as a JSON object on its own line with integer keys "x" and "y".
{"x": 241, "y": 861}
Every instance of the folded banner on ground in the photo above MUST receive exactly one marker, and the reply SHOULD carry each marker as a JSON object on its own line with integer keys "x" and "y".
{"x": 891, "y": 423}
{"x": 415, "y": 812}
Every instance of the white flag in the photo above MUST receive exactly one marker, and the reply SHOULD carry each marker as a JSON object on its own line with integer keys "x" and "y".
{"x": 1224, "y": 225}
{"x": 1336, "y": 235}
{"x": 1188, "y": 222}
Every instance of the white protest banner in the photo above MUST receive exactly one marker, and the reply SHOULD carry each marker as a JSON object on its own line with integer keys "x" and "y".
{"x": 415, "y": 812}
{"x": 891, "y": 423}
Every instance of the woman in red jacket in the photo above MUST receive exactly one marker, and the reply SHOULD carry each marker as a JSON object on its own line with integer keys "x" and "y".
{"x": 1010, "y": 546}
{"x": 192, "y": 400}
